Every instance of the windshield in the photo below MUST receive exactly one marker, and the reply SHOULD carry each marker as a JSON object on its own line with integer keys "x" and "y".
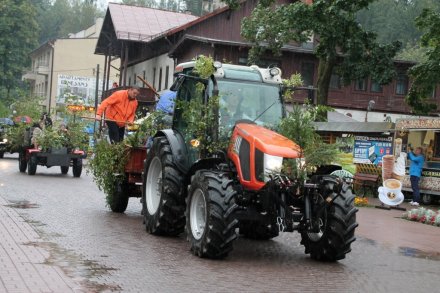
{"x": 253, "y": 101}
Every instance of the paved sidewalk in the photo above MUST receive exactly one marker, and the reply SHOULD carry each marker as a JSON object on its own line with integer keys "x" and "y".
{"x": 22, "y": 262}
{"x": 387, "y": 227}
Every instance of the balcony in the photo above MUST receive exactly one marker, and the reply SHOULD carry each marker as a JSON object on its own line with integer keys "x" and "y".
{"x": 32, "y": 76}
{"x": 42, "y": 69}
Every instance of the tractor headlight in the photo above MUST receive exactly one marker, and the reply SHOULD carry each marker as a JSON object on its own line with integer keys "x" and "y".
{"x": 5, "y": 140}
{"x": 272, "y": 164}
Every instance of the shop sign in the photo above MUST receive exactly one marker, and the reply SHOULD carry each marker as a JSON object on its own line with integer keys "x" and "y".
{"x": 370, "y": 150}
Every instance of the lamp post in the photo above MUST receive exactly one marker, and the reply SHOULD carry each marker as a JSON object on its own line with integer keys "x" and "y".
{"x": 370, "y": 107}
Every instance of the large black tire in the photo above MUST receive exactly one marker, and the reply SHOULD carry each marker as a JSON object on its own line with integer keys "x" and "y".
{"x": 32, "y": 165}
{"x": 118, "y": 201}
{"x": 338, "y": 223}
{"x": 1, "y": 155}
{"x": 163, "y": 205}
{"x": 259, "y": 231}
{"x": 210, "y": 214}
{"x": 77, "y": 167}
{"x": 22, "y": 163}
{"x": 64, "y": 169}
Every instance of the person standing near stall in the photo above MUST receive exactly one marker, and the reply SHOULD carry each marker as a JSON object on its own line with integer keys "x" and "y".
{"x": 120, "y": 109}
{"x": 415, "y": 172}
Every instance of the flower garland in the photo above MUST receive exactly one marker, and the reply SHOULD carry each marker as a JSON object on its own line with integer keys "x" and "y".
{"x": 423, "y": 215}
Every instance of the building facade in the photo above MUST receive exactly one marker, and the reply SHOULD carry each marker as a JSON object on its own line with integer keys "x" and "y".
{"x": 67, "y": 67}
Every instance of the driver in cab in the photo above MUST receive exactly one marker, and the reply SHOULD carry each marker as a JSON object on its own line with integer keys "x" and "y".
{"x": 230, "y": 108}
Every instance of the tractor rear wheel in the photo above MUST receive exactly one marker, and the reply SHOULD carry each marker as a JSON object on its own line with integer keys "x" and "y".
{"x": 336, "y": 225}
{"x": 32, "y": 165}
{"x": 118, "y": 200}
{"x": 1, "y": 155}
{"x": 64, "y": 169}
{"x": 163, "y": 206}
{"x": 22, "y": 163}
{"x": 210, "y": 214}
{"x": 77, "y": 167}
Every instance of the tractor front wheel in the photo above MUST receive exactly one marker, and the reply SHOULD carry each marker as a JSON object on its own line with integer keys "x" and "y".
{"x": 210, "y": 214}
{"x": 162, "y": 204}
{"x": 335, "y": 225}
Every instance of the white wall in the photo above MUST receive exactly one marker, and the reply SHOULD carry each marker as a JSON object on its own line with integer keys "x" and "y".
{"x": 374, "y": 116}
{"x": 150, "y": 67}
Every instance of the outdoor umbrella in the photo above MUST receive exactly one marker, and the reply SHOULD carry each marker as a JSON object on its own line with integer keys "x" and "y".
{"x": 23, "y": 119}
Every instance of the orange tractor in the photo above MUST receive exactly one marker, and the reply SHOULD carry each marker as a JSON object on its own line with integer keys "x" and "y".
{"x": 214, "y": 196}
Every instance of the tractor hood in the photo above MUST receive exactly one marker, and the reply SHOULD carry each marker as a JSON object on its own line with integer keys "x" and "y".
{"x": 268, "y": 141}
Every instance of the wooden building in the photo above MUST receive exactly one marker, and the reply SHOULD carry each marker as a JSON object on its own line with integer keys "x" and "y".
{"x": 218, "y": 34}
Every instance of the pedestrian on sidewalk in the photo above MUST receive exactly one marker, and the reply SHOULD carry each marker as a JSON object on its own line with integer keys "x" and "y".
{"x": 415, "y": 172}
{"x": 120, "y": 109}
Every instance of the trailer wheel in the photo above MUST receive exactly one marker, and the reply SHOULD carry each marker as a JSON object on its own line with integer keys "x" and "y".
{"x": 118, "y": 201}
{"x": 426, "y": 199}
{"x": 22, "y": 164}
{"x": 32, "y": 165}
{"x": 163, "y": 206}
{"x": 64, "y": 169}
{"x": 77, "y": 167}
{"x": 336, "y": 225}
{"x": 210, "y": 214}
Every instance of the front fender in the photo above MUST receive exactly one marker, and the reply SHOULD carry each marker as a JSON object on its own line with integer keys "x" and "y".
{"x": 178, "y": 149}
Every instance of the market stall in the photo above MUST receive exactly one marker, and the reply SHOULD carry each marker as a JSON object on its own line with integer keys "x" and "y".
{"x": 425, "y": 133}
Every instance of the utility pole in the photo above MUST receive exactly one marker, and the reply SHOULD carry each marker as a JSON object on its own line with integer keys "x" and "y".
{"x": 96, "y": 97}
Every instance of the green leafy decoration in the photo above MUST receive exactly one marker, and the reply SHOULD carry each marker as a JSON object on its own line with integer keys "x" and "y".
{"x": 107, "y": 166}
{"x": 298, "y": 127}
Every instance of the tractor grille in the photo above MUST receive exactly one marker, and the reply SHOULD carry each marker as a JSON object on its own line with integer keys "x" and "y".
{"x": 245, "y": 159}
{"x": 259, "y": 165}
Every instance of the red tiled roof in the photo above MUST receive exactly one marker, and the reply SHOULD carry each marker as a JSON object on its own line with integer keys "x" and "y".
{"x": 143, "y": 24}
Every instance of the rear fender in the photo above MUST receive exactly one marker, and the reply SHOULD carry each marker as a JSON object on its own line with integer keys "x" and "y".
{"x": 178, "y": 148}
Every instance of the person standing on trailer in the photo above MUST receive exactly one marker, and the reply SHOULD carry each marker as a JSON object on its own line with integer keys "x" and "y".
{"x": 120, "y": 109}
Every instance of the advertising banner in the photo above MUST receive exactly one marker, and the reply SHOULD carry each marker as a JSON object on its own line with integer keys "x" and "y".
{"x": 370, "y": 150}
{"x": 77, "y": 90}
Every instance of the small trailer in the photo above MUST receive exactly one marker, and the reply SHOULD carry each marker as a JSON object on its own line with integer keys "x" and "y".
{"x": 423, "y": 132}
{"x": 128, "y": 184}
{"x": 30, "y": 157}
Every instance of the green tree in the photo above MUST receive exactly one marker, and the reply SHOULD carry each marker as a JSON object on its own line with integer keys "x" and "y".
{"x": 143, "y": 3}
{"x": 426, "y": 75}
{"x": 18, "y": 37}
{"x": 61, "y": 17}
{"x": 343, "y": 46}
{"x": 298, "y": 127}
{"x": 4, "y": 111}
{"x": 393, "y": 20}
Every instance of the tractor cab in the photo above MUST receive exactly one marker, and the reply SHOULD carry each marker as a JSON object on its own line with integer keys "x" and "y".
{"x": 245, "y": 92}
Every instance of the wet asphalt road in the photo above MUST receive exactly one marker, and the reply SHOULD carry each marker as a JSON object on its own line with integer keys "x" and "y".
{"x": 105, "y": 251}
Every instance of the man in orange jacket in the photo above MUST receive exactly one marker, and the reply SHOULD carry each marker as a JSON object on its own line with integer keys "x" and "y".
{"x": 120, "y": 109}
